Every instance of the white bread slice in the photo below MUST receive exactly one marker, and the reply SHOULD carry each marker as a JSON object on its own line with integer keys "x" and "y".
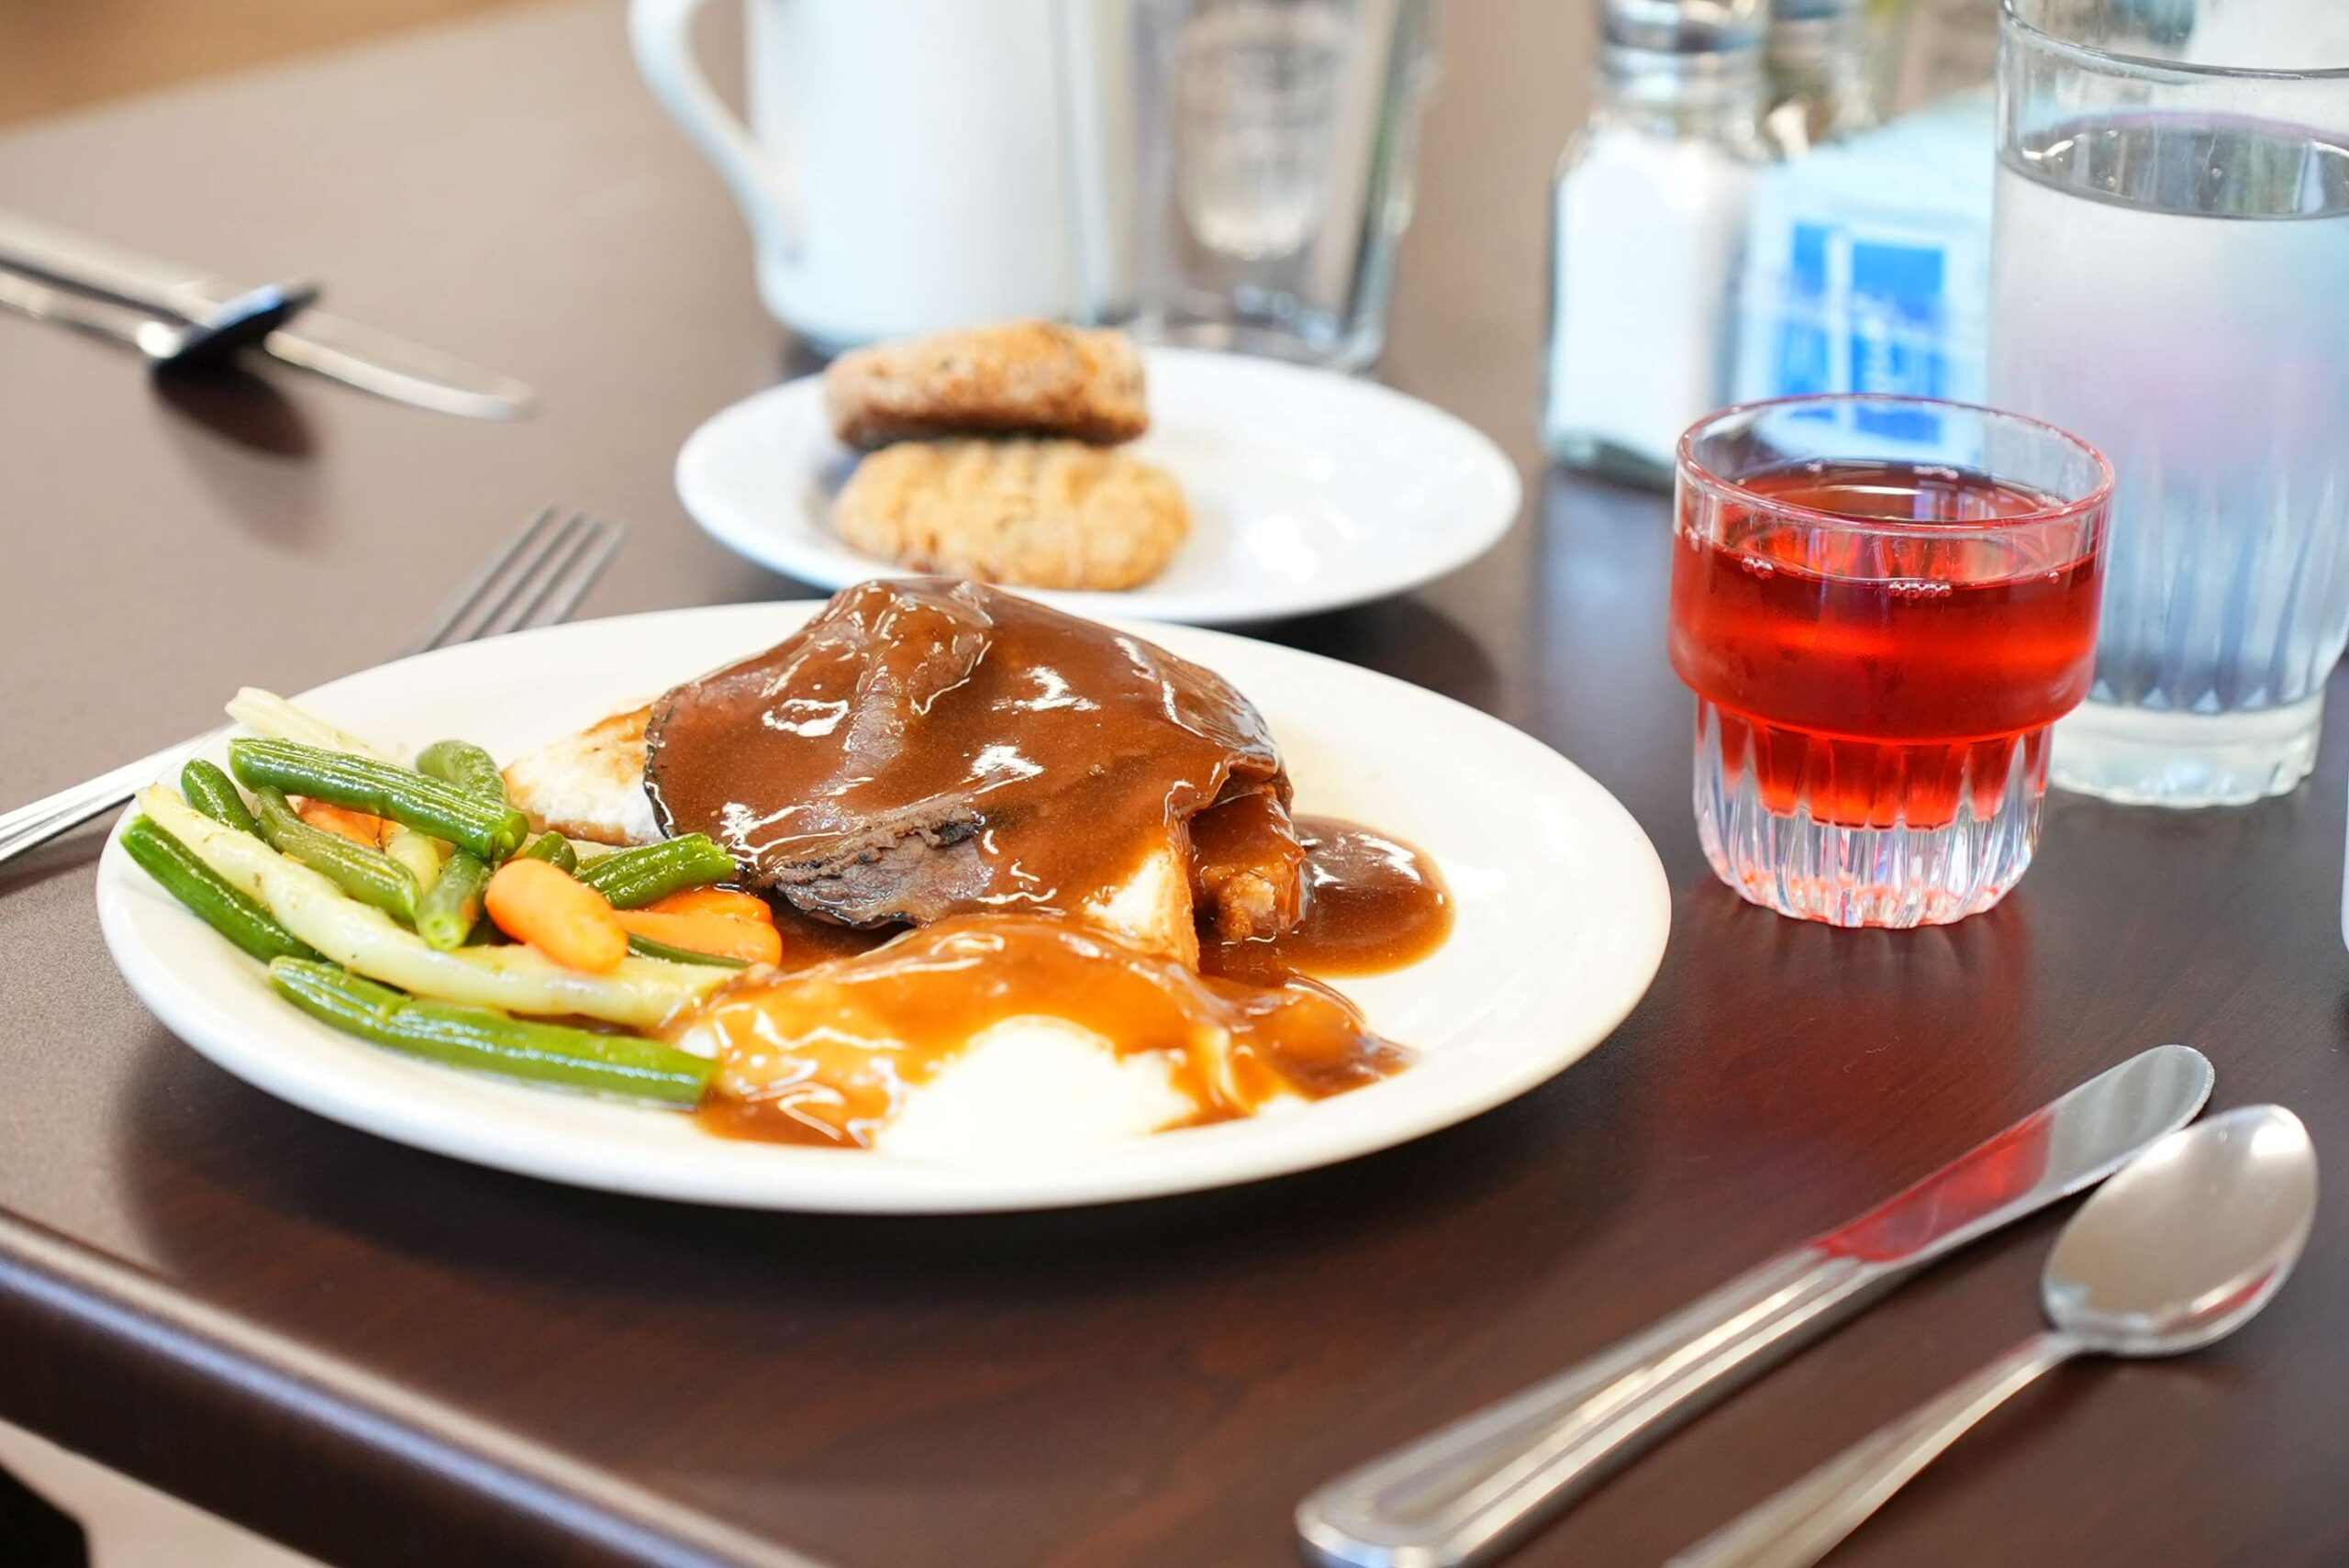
{"x": 589, "y": 785}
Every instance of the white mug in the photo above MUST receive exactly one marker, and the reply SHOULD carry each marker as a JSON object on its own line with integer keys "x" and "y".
{"x": 911, "y": 165}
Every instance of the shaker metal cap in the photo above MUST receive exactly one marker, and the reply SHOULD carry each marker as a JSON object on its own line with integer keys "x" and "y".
{"x": 1684, "y": 27}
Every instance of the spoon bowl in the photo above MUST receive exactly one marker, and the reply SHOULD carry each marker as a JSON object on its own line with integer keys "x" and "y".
{"x": 2190, "y": 1241}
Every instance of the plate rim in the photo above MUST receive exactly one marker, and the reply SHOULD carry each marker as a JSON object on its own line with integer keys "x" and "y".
{"x": 761, "y": 542}
{"x": 207, "y": 1024}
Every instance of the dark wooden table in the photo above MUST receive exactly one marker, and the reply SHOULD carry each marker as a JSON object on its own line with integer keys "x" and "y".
{"x": 389, "y": 1359}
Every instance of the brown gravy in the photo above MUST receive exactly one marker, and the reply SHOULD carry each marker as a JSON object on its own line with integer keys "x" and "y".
{"x": 926, "y": 748}
{"x": 997, "y": 774}
{"x": 826, "y": 1056}
{"x": 1372, "y": 903}
{"x": 808, "y": 941}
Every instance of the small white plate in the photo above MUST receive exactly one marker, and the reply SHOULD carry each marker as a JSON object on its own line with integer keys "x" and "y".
{"x": 1561, "y": 913}
{"x": 1308, "y": 490}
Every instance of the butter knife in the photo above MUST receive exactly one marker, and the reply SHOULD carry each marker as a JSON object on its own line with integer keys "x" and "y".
{"x": 1472, "y": 1490}
{"x": 344, "y": 351}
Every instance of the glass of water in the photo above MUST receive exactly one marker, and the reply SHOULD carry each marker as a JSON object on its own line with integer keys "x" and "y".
{"x": 2171, "y": 281}
{"x": 1274, "y": 141}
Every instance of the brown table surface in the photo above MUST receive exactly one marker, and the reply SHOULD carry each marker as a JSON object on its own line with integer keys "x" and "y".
{"x": 388, "y": 1358}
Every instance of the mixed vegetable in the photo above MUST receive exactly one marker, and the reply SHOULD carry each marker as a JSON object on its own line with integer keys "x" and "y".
{"x": 413, "y": 907}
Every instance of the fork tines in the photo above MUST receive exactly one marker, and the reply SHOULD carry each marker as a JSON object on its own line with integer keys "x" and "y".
{"x": 537, "y": 580}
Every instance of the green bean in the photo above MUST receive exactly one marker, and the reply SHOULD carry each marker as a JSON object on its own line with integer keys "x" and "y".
{"x": 213, "y": 793}
{"x": 638, "y": 995}
{"x": 645, "y": 947}
{"x": 636, "y": 877}
{"x": 202, "y": 889}
{"x": 551, "y": 847}
{"x": 451, "y": 907}
{"x": 491, "y": 829}
{"x": 368, "y": 876}
{"x": 464, "y": 765}
{"x": 490, "y": 1041}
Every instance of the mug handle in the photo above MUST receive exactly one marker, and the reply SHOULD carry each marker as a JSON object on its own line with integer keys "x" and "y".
{"x": 661, "y": 33}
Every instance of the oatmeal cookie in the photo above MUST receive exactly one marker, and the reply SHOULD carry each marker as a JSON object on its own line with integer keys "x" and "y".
{"x": 1025, "y": 513}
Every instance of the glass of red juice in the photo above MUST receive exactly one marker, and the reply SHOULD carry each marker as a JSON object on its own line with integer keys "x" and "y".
{"x": 1881, "y": 604}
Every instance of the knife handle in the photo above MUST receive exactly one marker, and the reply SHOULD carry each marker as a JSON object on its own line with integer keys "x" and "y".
{"x": 1475, "y": 1487}
{"x": 95, "y": 267}
{"x": 97, "y": 317}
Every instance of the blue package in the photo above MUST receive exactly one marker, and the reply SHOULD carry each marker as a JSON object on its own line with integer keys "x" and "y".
{"x": 1868, "y": 264}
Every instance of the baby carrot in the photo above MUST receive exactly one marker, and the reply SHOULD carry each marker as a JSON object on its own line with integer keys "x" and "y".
{"x": 723, "y": 901}
{"x": 752, "y": 941}
{"x": 539, "y": 903}
{"x": 343, "y": 823}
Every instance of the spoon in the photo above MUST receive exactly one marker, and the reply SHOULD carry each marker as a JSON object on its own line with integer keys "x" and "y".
{"x": 169, "y": 345}
{"x": 2181, "y": 1248}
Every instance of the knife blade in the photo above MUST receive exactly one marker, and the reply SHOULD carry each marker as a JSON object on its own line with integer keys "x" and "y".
{"x": 1473, "y": 1489}
{"x": 343, "y": 350}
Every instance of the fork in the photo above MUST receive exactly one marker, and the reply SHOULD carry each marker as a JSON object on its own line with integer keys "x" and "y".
{"x": 537, "y": 579}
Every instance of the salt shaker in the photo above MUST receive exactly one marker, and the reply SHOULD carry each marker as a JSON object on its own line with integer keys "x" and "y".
{"x": 1650, "y": 209}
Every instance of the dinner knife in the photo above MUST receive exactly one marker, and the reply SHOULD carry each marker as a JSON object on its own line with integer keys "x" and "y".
{"x": 1473, "y": 1489}
{"x": 345, "y": 351}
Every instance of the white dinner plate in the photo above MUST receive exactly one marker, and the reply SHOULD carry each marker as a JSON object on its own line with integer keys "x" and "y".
{"x": 1308, "y": 490}
{"x": 1561, "y": 913}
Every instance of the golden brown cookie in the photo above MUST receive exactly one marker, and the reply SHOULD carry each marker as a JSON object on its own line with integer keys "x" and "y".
{"x": 1030, "y": 514}
{"x": 1029, "y": 378}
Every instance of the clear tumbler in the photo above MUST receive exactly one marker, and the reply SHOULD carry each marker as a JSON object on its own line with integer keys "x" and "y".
{"x": 2171, "y": 281}
{"x": 1274, "y": 141}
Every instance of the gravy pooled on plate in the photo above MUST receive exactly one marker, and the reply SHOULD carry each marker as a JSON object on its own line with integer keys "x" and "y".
{"x": 1368, "y": 904}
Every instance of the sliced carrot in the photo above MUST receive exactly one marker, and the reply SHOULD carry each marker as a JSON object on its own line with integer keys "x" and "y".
{"x": 752, "y": 941}
{"x": 723, "y": 901}
{"x": 356, "y": 826}
{"x": 539, "y": 903}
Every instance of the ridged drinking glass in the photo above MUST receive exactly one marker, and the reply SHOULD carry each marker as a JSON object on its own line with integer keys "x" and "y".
{"x": 2170, "y": 279}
